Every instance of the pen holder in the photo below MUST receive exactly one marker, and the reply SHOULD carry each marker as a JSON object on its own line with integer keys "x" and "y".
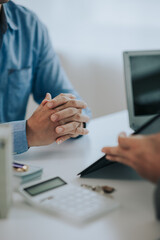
{"x": 5, "y": 169}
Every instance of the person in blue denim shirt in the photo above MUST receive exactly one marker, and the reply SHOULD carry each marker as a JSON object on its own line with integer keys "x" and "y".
{"x": 29, "y": 65}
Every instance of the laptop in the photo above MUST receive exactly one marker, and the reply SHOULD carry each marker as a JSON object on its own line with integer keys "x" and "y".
{"x": 142, "y": 81}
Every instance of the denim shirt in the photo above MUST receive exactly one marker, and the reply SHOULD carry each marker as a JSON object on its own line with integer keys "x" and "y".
{"x": 28, "y": 65}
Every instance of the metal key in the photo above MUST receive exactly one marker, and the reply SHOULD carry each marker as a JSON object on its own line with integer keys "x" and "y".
{"x": 100, "y": 189}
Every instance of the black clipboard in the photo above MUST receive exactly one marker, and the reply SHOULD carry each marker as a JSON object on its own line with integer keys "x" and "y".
{"x": 150, "y": 127}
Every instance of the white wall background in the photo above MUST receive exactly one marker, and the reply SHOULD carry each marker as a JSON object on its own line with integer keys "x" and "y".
{"x": 90, "y": 36}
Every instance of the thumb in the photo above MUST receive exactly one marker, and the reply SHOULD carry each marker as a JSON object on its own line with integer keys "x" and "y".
{"x": 47, "y": 98}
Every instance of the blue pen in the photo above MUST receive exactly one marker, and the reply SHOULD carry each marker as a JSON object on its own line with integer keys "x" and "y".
{"x": 19, "y": 167}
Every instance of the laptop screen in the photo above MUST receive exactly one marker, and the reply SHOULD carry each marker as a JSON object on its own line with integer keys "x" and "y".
{"x": 142, "y": 81}
{"x": 145, "y": 75}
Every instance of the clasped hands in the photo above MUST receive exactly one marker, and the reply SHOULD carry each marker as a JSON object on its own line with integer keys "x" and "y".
{"x": 56, "y": 119}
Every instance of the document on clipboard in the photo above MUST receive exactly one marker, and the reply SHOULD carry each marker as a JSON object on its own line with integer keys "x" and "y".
{"x": 151, "y": 127}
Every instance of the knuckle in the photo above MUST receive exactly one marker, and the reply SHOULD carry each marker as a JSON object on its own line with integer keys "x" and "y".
{"x": 54, "y": 100}
{"x": 74, "y": 125}
{"x": 73, "y": 103}
{"x": 76, "y": 131}
{"x": 78, "y": 116}
{"x": 63, "y": 98}
{"x": 82, "y": 132}
{"x": 61, "y": 94}
{"x": 71, "y": 111}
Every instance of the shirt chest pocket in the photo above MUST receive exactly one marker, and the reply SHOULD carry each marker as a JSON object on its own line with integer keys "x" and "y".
{"x": 18, "y": 91}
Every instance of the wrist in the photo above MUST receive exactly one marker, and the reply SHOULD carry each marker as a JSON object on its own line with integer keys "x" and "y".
{"x": 29, "y": 134}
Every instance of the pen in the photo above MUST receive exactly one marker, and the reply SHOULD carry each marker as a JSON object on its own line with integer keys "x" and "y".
{"x": 19, "y": 167}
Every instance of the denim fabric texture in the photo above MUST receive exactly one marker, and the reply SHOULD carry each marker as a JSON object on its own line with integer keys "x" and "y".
{"x": 28, "y": 65}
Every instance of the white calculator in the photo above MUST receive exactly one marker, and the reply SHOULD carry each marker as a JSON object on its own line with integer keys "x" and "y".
{"x": 72, "y": 202}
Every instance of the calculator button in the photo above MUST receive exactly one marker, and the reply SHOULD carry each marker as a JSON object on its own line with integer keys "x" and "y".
{"x": 78, "y": 203}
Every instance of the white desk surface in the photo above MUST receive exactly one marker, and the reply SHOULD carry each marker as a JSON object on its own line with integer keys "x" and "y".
{"x": 134, "y": 219}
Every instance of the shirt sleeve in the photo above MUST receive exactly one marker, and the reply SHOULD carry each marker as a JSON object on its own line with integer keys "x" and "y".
{"x": 49, "y": 75}
{"x": 157, "y": 200}
{"x": 20, "y": 143}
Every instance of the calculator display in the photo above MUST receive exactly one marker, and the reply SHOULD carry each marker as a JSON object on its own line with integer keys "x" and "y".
{"x": 45, "y": 186}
